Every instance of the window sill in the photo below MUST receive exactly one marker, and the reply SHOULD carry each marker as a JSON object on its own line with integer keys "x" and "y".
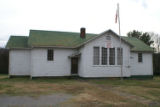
{"x": 50, "y": 60}
{"x": 140, "y": 62}
{"x": 106, "y": 65}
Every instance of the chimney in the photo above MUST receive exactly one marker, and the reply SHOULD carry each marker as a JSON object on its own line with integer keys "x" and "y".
{"x": 83, "y": 32}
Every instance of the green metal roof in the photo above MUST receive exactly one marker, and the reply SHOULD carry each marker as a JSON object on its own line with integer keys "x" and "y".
{"x": 40, "y": 38}
{"x": 139, "y": 45}
{"x": 17, "y": 42}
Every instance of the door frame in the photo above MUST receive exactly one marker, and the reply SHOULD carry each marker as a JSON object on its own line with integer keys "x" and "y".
{"x": 74, "y": 66}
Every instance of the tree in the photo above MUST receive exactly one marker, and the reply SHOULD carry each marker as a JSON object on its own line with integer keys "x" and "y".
{"x": 134, "y": 33}
{"x": 145, "y": 37}
{"x": 156, "y": 38}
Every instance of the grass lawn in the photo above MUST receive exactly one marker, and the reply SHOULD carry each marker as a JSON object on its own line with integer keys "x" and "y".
{"x": 110, "y": 92}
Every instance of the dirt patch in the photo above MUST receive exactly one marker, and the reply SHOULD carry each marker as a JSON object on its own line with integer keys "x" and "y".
{"x": 41, "y": 101}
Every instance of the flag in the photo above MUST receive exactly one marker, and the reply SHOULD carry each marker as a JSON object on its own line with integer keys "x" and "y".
{"x": 117, "y": 13}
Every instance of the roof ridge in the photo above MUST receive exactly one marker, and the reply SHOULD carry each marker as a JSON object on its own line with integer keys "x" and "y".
{"x": 59, "y": 31}
{"x": 17, "y": 36}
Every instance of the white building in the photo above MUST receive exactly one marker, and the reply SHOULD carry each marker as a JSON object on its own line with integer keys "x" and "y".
{"x": 54, "y": 53}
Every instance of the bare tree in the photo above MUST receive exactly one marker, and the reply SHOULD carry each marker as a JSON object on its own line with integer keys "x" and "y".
{"x": 156, "y": 38}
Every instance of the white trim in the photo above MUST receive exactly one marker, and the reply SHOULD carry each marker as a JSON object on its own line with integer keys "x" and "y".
{"x": 106, "y": 65}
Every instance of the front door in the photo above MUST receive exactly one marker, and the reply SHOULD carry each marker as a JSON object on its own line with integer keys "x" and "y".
{"x": 74, "y": 65}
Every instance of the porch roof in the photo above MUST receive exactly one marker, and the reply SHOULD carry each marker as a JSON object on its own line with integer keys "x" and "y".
{"x": 77, "y": 54}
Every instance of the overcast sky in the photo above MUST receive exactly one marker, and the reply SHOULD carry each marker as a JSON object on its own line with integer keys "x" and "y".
{"x": 17, "y": 17}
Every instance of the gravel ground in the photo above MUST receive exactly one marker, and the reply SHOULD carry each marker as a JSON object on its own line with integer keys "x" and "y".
{"x": 26, "y": 101}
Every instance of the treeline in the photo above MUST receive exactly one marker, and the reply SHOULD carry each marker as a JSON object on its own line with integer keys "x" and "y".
{"x": 150, "y": 38}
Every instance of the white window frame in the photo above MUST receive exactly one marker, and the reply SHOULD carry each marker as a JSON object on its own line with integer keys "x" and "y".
{"x": 104, "y": 56}
{"x": 100, "y": 64}
{"x": 96, "y": 56}
{"x": 112, "y": 56}
{"x": 119, "y": 56}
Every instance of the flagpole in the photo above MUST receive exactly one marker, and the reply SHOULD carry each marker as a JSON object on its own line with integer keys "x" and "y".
{"x": 120, "y": 41}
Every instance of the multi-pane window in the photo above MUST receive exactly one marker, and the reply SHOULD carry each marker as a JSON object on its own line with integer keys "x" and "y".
{"x": 112, "y": 56}
{"x": 119, "y": 56}
{"x": 50, "y": 55}
{"x": 104, "y": 56}
{"x": 109, "y": 56}
{"x": 140, "y": 57}
{"x": 96, "y": 55}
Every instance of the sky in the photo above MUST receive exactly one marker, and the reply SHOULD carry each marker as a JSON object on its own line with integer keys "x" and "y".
{"x": 17, "y": 17}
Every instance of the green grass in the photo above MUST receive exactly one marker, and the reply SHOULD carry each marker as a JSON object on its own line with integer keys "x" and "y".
{"x": 111, "y": 92}
{"x": 153, "y": 83}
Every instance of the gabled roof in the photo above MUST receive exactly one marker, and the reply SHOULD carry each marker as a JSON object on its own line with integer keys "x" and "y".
{"x": 139, "y": 45}
{"x": 40, "y": 38}
{"x": 18, "y": 42}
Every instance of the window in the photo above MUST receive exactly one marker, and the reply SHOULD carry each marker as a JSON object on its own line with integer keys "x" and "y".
{"x": 108, "y": 38}
{"x": 108, "y": 41}
{"x": 96, "y": 55}
{"x": 50, "y": 55}
{"x": 140, "y": 57}
{"x": 104, "y": 56}
{"x": 119, "y": 56}
{"x": 112, "y": 56}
